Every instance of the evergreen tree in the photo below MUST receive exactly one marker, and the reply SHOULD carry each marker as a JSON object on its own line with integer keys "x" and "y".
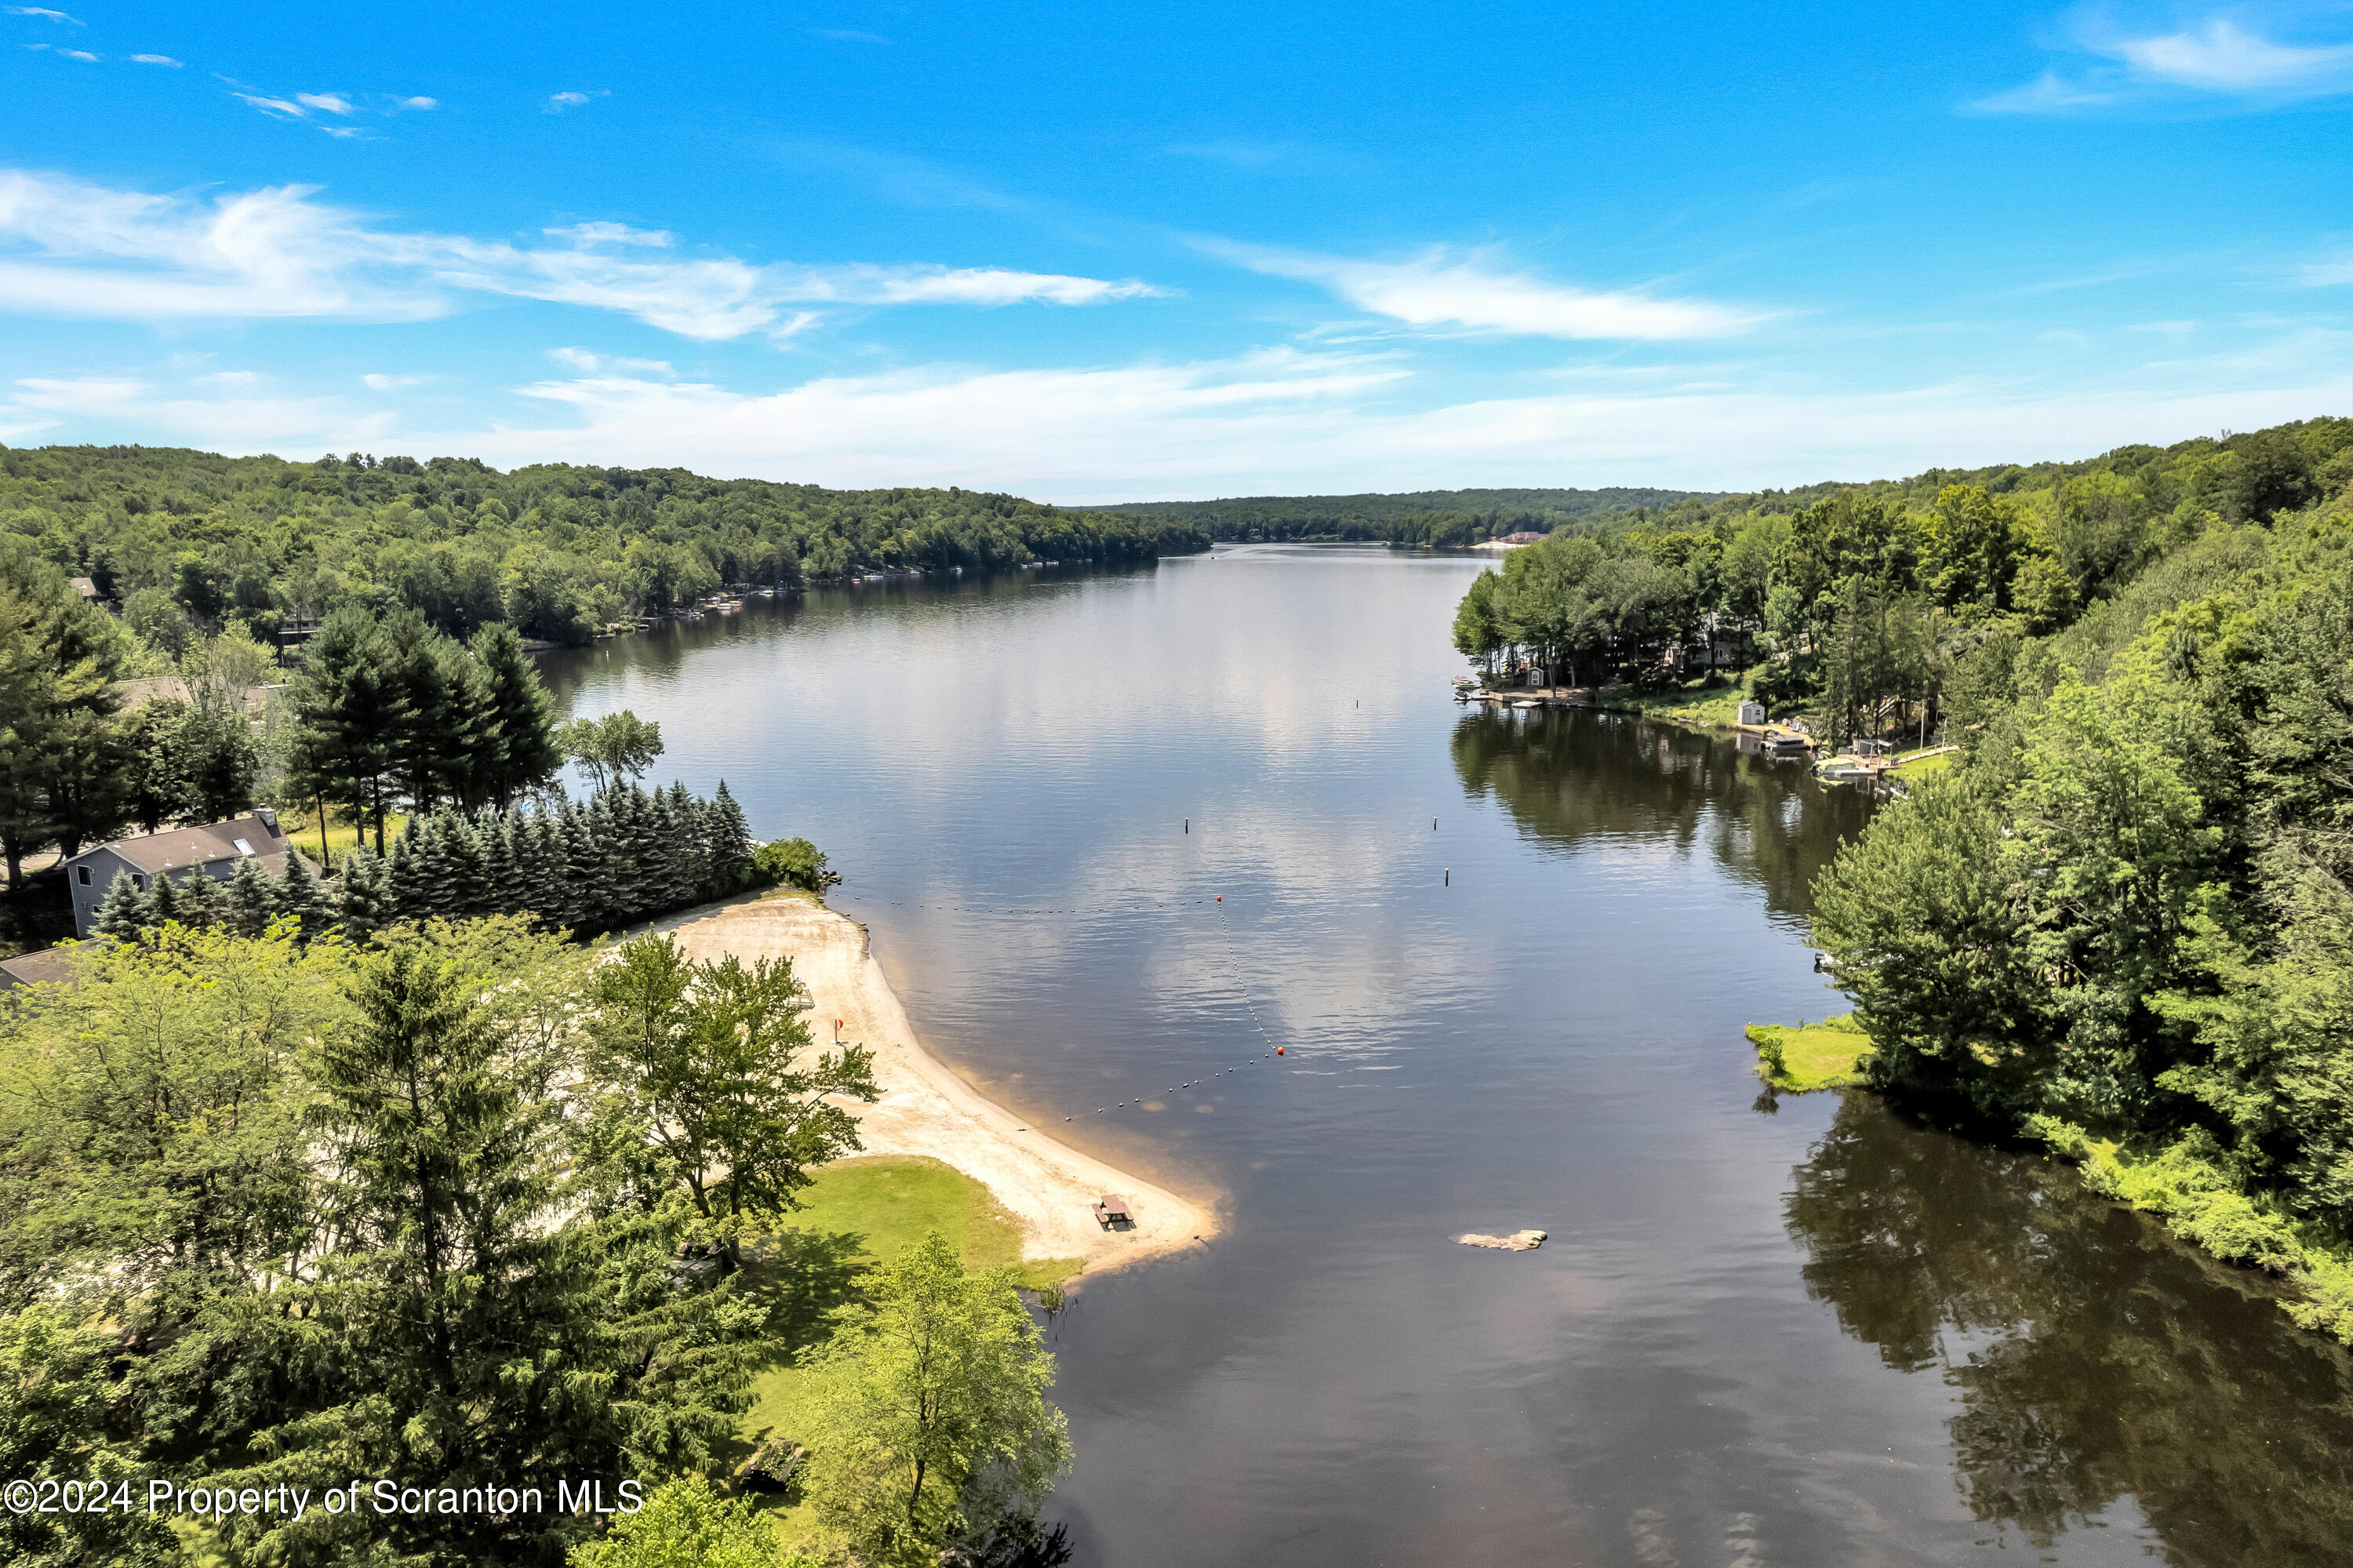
{"x": 348, "y": 710}
{"x": 367, "y": 903}
{"x": 462, "y": 1333}
{"x": 524, "y": 713}
{"x": 434, "y": 725}
{"x": 590, "y": 835}
{"x": 297, "y": 895}
{"x": 157, "y": 774}
{"x": 125, "y": 911}
{"x": 465, "y": 864}
{"x": 501, "y": 870}
{"x": 728, "y": 839}
{"x": 554, "y": 894}
{"x": 470, "y": 743}
{"x": 429, "y": 894}
{"x": 170, "y": 901}
{"x": 247, "y": 907}
{"x": 204, "y": 899}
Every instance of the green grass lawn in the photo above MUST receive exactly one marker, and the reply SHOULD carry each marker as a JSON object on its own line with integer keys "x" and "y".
{"x": 1798, "y": 1059}
{"x": 342, "y": 832}
{"x": 1919, "y": 767}
{"x": 860, "y": 1212}
{"x": 1694, "y": 702}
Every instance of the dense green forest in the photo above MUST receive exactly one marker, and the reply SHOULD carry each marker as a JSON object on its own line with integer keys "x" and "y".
{"x": 1416, "y": 517}
{"x": 466, "y": 1210}
{"x": 2123, "y": 925}
{"x": 190, "y": 542}
{"x": 1859, "y": 599}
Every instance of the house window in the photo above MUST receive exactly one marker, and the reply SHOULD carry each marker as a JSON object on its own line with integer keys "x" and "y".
{"x": 81, "y": 874}
{"x": 242, "y": 847}
{"x": 139, "y": 881}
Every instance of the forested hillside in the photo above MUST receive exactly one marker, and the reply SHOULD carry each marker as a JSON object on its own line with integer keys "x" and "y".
{"x": 1859, "y": 598}
{"x": 2123, "y": 924}
{"x": 193, "y": 540}
{"x": 1418, "y": 517}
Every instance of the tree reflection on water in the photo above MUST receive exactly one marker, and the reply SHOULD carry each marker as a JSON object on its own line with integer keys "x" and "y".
{"x": 2093, "y": 1357}
{"x": 1567, "y": 775}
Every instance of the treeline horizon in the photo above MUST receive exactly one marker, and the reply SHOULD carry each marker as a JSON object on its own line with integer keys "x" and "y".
{"x": 194, "y": 543}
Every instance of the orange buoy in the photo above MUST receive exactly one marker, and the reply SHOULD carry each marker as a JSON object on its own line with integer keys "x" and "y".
{"x": 1278, "y": 1050}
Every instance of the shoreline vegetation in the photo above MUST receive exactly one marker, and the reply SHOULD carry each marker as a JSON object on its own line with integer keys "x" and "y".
{"x": 2113, "y": 913}
{"x": 927, "y": 1111}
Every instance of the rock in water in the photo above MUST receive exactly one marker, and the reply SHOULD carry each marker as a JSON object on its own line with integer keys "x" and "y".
{"x": 1518, "y": 1241}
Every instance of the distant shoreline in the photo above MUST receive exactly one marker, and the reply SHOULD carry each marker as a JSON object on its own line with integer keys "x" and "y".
{"x": 925, "y": 1109}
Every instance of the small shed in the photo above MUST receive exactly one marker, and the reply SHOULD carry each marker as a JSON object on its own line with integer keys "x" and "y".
{"x": 1752, "y": 712}
{"x": 1112, "y": 1212}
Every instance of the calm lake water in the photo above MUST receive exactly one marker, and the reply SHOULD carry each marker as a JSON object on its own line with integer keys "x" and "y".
{"x": 1806, "y": 1334}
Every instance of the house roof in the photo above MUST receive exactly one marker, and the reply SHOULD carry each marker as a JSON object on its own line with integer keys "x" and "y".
{"x": 84, "y": 586}
{"x": 50, "y": 966}
{"x": 177, "y": 849}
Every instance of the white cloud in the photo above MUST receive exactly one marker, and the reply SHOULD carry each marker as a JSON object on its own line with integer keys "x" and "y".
{"x": 46, "y": 14}
{"x": 2218, "y": 58}
{"x": 1281, "y": 420}
{"x": 158, "y": 60}
{"x": 325, "y": 102}
{"x": 418, "y": 103}
{"x": 276, "y": 107}
{"x": 1288, "y": 422}
{"x": 71, "y": 249}
{"x": 2224, "y": 58}
{"x": 1440, "y": 291}
{"x": 232, "y": 424}
{"x": 381, "y": 382}
{"x": 2338, "y": 269}
{"x": 2049, "y": 93}
{"x": 557, "y": 102}
{"x": 588, "y": 364}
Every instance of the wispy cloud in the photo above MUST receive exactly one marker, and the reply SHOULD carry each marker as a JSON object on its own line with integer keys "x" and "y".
{"x": 159, "y": 59}
{"x": 84, "y": 55}
{"x": 2338, "y": 269}
{"x": 71, "y": 249}
{"x": 419, "y": 102}
{"x": 325, "y": 102}
{"x": 2225, "y": 55}
{"x": 557, "y": 102}
{"x": 378, "y": 382}
{"x": 1444, "y": 290}
{"x": 46, "y": 14}
{"x": 588, "y": 363}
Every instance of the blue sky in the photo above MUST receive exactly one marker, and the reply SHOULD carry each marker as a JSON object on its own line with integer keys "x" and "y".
{"x": 1092, "y": 253}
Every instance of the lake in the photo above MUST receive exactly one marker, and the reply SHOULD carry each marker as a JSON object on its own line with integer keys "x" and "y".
{"x": 1805, "y": 1332}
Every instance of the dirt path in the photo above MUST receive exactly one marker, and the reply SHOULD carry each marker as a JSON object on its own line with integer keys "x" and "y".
{"x": 926, "y": 1110}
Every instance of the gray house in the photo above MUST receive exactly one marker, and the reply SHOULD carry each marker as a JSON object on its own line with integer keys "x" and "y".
{"x": 177, "y": 853}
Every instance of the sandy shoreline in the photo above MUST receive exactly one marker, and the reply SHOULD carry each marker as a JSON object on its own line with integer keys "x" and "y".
{"x": 926, "y": 1110}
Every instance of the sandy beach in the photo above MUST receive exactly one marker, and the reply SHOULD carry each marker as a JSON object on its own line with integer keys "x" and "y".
{"x": 926, "y": 1110}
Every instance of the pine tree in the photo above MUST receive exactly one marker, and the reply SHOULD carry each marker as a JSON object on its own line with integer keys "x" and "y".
{"x": 367, "y": 904}
{"x": 348, "y": 709}
{"x": 203, "y": 900}
{"x": 551, "y": 871}
{"x": 524, "y": 714}
{"x": 501, "y": 867}
{"x": 595, "y": 874}
{"x": 246, "y": 909}
{"x": 669, "y": 884}
{"x": 126, "y": 911}
{"x": 729, "y": 841}
{"x": 466, "y": 863}
{"x": 298, "y": 895}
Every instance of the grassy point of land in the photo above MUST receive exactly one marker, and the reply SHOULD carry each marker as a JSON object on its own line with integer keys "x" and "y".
{"x": 860, "y": 1212}
{"x": 1798, "y": 1059}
